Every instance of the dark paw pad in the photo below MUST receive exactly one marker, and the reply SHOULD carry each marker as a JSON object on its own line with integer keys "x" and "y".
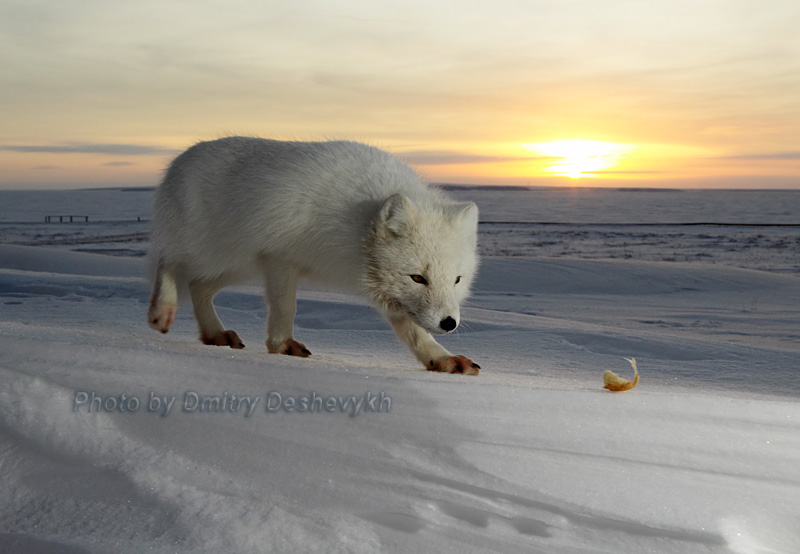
{"x": 456, "y": 364}
{"x": 294, "y": 348}
{"x": 290, "y": 348}
{"x": 226, "y": 338}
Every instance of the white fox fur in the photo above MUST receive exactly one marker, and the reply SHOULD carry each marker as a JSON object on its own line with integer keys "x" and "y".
{"x": 338, "y": 212}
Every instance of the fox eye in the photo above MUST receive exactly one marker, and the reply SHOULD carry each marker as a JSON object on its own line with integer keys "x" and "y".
{"x": 419, "y": 279}
{"x": 458, "y": 279}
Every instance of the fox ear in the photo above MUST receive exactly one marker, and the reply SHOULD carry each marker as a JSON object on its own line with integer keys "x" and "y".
{"x": 396, "y": 214}
{"x": 467, "y": 215}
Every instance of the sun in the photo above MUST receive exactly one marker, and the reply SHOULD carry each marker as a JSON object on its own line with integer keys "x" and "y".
{"x": 580, "y": 158}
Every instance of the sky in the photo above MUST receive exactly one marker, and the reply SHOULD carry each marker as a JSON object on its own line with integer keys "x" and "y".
{"x": 652, "y": 93}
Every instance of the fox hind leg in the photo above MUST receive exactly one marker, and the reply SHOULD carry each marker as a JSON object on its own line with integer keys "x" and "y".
{"x": 212, "y": 331}
{"x": 164, "y": 300}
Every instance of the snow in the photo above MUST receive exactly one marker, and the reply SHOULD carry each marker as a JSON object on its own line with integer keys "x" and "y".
{"x": 531, "y": 456}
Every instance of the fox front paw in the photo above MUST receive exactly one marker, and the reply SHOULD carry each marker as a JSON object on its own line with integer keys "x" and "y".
{"x": 455, "y": 364}
{"x": 225, "y": 338}
{"x": 291, "y": 348}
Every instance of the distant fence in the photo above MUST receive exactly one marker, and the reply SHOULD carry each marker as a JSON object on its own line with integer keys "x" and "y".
{"x": 61, "y": 218}
{"x": 72, "y": 218}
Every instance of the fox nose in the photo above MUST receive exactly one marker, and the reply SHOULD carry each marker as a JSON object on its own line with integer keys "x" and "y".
{"x": 448, "y": 324}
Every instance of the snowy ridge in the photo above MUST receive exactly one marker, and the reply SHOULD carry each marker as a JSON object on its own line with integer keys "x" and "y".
{"x": 532, "y": 456}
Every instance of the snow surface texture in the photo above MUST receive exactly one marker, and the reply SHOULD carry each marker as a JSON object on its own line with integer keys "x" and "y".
{"x": 531, "y": 456}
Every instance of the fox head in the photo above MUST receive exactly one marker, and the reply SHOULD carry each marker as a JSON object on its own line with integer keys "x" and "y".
{"x": 421, "y": 261}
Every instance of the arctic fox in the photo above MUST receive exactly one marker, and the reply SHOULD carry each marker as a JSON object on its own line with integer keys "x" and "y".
{"x": 338, "y": 212}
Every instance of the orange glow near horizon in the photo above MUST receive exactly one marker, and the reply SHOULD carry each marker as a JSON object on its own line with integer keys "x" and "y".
{"x": 575, "y": 158}
{"x": 558, "y": 162}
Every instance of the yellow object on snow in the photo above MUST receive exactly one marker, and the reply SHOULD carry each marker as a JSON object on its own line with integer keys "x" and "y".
{"x": 615, "y": 383}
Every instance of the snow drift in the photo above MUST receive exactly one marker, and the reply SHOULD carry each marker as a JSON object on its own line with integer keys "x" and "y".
{"x": 531, "y": 456}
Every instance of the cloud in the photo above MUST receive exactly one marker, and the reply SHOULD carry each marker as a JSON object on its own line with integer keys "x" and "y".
{"x": 117, "y": 164}
{"x": 447, "y": 157}
{"x": 611, "y": 172}
{"x": 45, "y": 167}
{"x": 112, "y": 149}
{"x": 792, "y": 155}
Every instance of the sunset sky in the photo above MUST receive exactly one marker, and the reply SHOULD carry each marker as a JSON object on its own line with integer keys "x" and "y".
{"x": 560, "y": 93}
